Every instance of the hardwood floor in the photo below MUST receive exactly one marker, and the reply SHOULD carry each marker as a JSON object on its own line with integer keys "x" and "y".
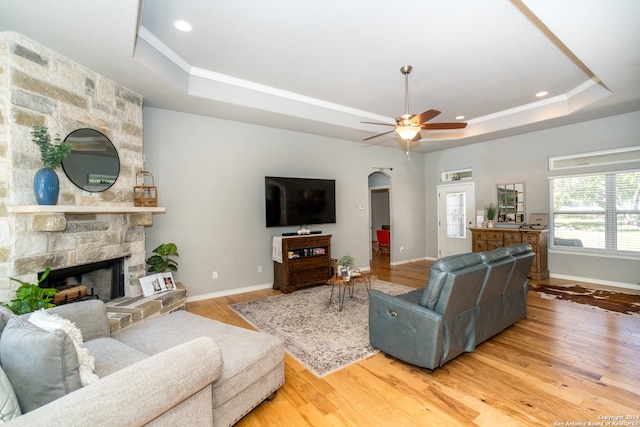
{"x": 565, "y": 363}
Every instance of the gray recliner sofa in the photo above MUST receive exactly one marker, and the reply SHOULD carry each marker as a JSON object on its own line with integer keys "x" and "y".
{"x": 469, "y": 298}
{"x": 178, "y": 369}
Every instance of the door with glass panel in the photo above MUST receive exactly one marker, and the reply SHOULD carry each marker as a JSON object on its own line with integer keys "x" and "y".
{"x": 456, "y": 206}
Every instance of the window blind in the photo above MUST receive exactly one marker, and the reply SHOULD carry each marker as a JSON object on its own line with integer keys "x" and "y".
{"x": 598, "y": 212}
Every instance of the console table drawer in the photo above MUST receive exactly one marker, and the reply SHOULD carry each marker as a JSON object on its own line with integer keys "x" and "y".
{"x": 512, "y": 238}
{"x": 492, "y": 244}
{"x": 496, "y": 236}
{"x": 530, "y": 238}
{"x": 306, "y": 263}
{"x": 307, "y": 242}
{"x": 310, "y": 276}
{"x": 479, "y": 235}
{"x": 479, "y": 246}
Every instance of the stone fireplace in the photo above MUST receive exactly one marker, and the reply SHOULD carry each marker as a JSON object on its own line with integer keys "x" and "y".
{"x": 39, "y": 87}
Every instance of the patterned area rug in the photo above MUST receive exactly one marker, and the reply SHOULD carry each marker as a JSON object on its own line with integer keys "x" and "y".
{"x": 607, "y": 300}
{"x": 315, "y": 333}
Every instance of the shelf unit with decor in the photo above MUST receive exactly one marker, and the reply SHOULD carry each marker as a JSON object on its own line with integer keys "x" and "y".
{"x": 306, "y": 261}
{"x": 487, "y": 239}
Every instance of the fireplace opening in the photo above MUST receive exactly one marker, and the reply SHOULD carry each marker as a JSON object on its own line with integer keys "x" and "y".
{"x": 103, "y": 280}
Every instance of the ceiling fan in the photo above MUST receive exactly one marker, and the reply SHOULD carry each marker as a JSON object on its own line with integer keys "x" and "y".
{"x": 408, "y": 126}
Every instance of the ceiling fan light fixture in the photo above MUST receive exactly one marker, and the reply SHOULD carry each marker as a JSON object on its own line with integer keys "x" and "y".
{"x": 408, "y": 126}
{"x": 182, "y": 25}
{"x": 407, "y": 132}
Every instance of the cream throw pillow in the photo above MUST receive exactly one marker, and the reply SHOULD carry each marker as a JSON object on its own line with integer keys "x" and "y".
{"x": 50, "y": 322}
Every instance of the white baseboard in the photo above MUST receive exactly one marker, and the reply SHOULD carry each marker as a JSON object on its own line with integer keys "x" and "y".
{"x": 228, "y": 292}
{"x": 270, "y": 285}
{"x": 408, "y": 261}
{"x": 608, "y": 283}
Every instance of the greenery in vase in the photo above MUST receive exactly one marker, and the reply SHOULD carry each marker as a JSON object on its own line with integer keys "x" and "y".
{"x": 162, "y": 261}
{"x": 347, "y": 260}
{"x": 52, "y": 154}
{"x": 30, "y": 297}
{"x": 491, "y": 210}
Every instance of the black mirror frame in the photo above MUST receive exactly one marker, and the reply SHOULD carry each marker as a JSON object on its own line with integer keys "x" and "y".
{"x": 112, "y": 178}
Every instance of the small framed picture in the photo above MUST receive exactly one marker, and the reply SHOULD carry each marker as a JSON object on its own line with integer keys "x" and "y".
{"x": 167, "y": 281}
{"x": 156, "y": 283}
{"x": 150, "y": 285}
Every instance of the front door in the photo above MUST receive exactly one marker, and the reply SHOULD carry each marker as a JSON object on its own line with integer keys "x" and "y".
{"x": 456, "y": 206}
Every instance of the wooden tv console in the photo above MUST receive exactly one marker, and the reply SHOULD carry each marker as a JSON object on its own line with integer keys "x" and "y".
{"x": 306, "y": 261}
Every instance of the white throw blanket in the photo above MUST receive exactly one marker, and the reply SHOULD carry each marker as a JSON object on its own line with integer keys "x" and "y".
{"x": 276, "y": 252}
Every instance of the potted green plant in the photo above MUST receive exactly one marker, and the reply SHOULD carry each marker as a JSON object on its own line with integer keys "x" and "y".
{"x": 30, "y": 297}
{"x": 162, "y": 261}
{"x": 490, "y": 211}
{"x": 45, "y": 182}
{"x": 346, "y": 261}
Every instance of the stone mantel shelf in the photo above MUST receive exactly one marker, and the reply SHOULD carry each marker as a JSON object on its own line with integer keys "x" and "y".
{"x": 40, "y": 209}
{"x": 53, "y": 218}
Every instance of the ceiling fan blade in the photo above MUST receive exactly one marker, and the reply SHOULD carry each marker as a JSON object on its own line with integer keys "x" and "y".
{"x": 425, "y": 116}
{"x": 379, "y": 123}
{"x": 443, "y": 125}
{"x": 380, "y": 134}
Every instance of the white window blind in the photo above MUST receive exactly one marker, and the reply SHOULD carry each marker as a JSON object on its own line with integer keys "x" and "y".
{"x": 598, "y": 212}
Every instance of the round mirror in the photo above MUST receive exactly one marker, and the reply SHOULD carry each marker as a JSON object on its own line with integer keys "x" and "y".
{"x": 93, "y": 164}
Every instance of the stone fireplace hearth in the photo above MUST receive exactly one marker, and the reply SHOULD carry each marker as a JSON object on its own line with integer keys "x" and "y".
{"x": 66, "y": 241}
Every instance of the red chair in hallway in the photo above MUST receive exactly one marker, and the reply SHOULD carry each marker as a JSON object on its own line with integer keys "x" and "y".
{"x": 384, "y": 242}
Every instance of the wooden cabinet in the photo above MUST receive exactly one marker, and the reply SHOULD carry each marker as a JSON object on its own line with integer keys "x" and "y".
{"x": 486, "y": 239}
{"x": 306, "y": 260}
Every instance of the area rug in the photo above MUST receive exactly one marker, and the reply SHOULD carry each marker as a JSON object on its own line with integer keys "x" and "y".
{"x": 607, "y": 300}
{"x": 315, "y": 333}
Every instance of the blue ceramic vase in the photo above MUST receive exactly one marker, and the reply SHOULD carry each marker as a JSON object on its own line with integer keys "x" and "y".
{"x": 46, "y": 186}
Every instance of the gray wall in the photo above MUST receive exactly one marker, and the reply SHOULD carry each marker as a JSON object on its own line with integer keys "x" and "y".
{"x": 210, "y": 174}
{"x": 524, "y": 158}
{"x": 210, "y": 177}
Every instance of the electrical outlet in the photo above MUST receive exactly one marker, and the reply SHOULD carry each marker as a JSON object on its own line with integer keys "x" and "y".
{"x": 214, "y": 275}
{"x": 401, "y": 248}
{"x": 259, "y": 269}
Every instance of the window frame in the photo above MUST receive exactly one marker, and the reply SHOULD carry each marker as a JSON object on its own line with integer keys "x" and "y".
{"x": 610, "y": 215}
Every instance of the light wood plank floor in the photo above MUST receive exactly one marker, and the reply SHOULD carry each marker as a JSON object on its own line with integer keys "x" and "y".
{"x": 565, "y": 363}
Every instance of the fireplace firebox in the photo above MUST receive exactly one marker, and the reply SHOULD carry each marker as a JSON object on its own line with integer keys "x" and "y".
{"x": 102, "y": 279}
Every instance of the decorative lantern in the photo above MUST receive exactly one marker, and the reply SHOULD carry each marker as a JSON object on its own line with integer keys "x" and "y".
{"x": 145, "y": 195}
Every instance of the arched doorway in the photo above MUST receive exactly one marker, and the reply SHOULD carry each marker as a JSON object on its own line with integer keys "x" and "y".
{"x": 380, "y": 213}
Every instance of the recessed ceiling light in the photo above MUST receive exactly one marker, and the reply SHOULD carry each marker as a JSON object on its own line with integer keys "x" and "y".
{"x": 541, "y": 94}
{"x": 459, "y": 117}
{"x": 182, "y": 25}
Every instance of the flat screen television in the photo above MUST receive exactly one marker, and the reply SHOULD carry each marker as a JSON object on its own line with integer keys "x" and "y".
{"x": 299, "y": 201}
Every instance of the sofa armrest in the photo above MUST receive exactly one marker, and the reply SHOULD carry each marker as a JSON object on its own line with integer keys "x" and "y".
{"x": 405, "y": 329}
{"x": 137, "y": 394}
